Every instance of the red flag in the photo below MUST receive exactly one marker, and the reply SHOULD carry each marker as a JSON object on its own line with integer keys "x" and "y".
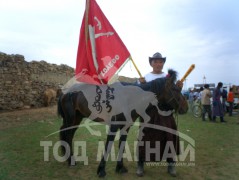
{"x": 101, "y": 52}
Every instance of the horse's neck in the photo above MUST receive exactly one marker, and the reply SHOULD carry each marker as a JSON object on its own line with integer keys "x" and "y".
{"x": 154, "y": 86}
{"x": 146, "y": 86}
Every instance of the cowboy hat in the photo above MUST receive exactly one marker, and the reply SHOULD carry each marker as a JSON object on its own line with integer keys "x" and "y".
{"x": 157, "y": 55}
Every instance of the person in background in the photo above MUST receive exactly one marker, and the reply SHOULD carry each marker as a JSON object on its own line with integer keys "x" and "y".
{"x": 205, "y": 100}
{"x": 217, "y": 105}
{"x": 224, "y": 99}
{"x": 230, "y": 100}
{"x": 190, "y": 99}
{"x": 200, "y": 95}
{"x": 195, "y": 94}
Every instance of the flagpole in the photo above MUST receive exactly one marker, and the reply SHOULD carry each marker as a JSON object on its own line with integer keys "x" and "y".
{"x": 140, "y": 75}
{"x": 87, "y": 5}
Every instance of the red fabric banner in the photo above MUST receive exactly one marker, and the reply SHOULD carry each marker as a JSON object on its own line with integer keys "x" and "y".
{"x": 101, "y": 52}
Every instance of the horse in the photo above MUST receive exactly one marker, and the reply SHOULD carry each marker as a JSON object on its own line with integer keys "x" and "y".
{"x": 105, "y": 104}
{"x": 49, "y": 95}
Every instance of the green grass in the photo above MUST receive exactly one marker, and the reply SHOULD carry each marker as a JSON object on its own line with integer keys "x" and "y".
{"x": 22, "y": 157}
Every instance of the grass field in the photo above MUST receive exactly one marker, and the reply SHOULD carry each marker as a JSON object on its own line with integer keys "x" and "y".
{"x": 22, "y": 157}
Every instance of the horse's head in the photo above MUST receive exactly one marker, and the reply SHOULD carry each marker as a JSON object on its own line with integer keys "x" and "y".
{"x": 171, "y": 96}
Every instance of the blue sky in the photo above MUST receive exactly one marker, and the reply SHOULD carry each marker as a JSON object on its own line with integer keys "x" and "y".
{"x": 200, "y": 32}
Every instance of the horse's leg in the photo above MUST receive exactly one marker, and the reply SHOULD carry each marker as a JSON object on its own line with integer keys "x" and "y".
{"x": 63, "y": 133}
{"x": 144, "y": 120}
{"x": 140, "y": 163}
{"x": 108, "y": 145}
{"x": 77, "y": 118}
{"x": 66, "y": 136}
{"x": 70, "y": 122}
{"x": 120, "y": 168}
{"x": 63, "y": 137}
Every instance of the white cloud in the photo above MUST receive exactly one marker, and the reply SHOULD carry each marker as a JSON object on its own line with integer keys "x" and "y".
{"x": 200, "y": 31}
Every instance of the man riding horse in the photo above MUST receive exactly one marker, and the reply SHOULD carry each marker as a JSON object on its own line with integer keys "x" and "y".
{"x": 86, "y": 98}
{"x": 165, "y": 119}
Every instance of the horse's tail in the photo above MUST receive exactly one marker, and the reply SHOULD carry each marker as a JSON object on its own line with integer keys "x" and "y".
{"x": 59, "y": 107}
{"x": 63, "y": 134}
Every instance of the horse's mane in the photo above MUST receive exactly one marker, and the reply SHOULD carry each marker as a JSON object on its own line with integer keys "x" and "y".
{"x": 172, "y": 74}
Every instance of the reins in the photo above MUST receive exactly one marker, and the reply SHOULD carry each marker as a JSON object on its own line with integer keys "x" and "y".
{"x": 176, "y": 113}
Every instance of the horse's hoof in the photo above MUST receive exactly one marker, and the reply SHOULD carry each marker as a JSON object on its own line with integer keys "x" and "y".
{"x": 121, "y": 170}
{"x": 72, "y": 162}
{"x": 140, "y": 171}
{"x": 100, "y": 172}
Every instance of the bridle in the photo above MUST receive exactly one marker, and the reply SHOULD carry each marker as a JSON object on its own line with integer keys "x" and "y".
{"x": 155, "y": 87}
{"x": 175, "y": 99}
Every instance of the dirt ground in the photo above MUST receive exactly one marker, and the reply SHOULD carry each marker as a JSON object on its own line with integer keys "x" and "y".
{"x": 21, "y": 117}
